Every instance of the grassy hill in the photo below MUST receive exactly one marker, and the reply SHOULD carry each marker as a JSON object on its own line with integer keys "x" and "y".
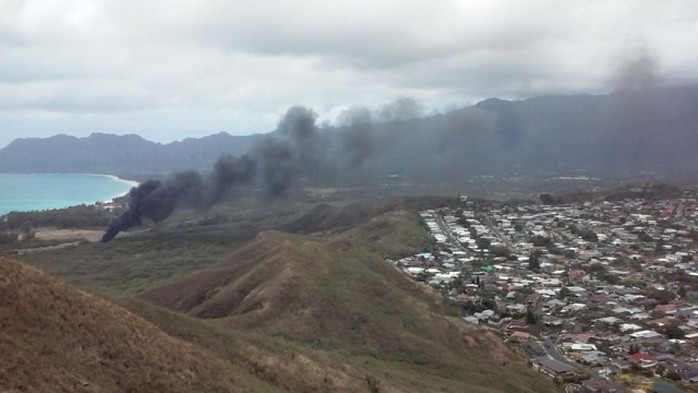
{"x": 272, "y": 312}
{"x": 338, "y": 298}
{"x": 54, "y": 337}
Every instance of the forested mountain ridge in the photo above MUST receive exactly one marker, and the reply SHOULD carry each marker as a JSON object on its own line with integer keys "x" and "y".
{"x": 115, "y": 154}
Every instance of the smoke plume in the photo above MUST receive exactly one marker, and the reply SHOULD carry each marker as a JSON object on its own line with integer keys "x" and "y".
{"x": 402, "y": 109}
{"x": 294, "y": 151}
{"x": 639, "y": 70}
{"x": 357, "y": 135}
{"x": 299, "y": 150}
{"x": 155, "y": 200}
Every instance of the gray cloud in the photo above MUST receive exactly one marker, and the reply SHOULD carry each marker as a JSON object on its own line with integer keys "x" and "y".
{"x": 182, "y": 68}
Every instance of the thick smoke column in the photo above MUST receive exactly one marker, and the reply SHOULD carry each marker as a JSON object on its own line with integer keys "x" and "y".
{"x": 402, "y": 109}
{"x": 155, "y": 200}
{"x": 639, "y": 70}
{"x": 295, "y": 150}
{"x": 357, "y": 138}
{"x": 298, "y": 150}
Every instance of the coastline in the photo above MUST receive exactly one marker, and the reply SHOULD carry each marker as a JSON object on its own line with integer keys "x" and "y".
{"x": 130, "y": 183}
{"x": 125, "y": 183}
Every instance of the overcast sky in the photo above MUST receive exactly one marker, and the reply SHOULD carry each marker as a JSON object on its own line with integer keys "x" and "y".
{"x": 172, "y": 69}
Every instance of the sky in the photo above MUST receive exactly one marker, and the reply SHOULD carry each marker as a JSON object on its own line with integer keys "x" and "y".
{"x": 173, "y": 69}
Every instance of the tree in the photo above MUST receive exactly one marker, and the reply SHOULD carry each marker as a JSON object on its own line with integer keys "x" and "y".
{"x": 590, "y": 236}
{"x": 500, "y": 251}
{"x": 531, "y": 318}
{"x": 645, "y": 237}
{"x": 634, "y": 283}
{"x": 483, "y": 243}
{"x": 633, "y": 349}
{"x": 534, "y": 261}
{"x": 611, "y": 279}
{"x": 565, "y": 293}
{"x": 673, "y": 376}
{"x": 27, "y": 230}
{"x": 541, "y": 241}
{"x": 673, "y": 332}
{"x": 548, "y": 199}
{"x": 662, "y": 296}
{"x": 462, "y": 221}
{"x": 458, "y": 285}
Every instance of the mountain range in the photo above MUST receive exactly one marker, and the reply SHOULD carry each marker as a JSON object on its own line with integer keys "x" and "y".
{"x": 652, "y": 131}
{"x": 116, "y": 154}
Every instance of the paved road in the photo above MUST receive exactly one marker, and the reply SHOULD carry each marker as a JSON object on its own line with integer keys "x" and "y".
{"x": 452, "y": 240}
{"x": 552, "y": 352}
{"x": 487, "y": 220}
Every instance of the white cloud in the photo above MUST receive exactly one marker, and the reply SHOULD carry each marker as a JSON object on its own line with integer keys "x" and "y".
{"x": 171, "y": 69}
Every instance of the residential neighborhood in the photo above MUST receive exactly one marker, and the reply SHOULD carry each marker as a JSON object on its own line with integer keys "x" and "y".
{"x": 601, "y": 294}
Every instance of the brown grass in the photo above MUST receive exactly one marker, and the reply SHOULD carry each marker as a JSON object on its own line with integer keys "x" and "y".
{"x": 54, "y": 337}
{"x": 337, "y": 295}
{"x": 68, "y": 234}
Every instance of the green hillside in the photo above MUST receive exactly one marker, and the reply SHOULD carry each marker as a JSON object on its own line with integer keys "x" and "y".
{"x": 338, "y": 297}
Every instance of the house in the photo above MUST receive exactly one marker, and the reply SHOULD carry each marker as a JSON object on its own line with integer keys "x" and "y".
{"x": 644, "y": 360}
{"x": 598, "y": 385}
{"x": 580, "y": 337}
{"x": 609, "y": 320}
{"x": 574, "y": 274}
{"x": 629, "y": 327}
{"x": 552, "y": 368}
{"x": 579, "y": 347}
{"x": 646, "y": 334}
{"x": 593, "y": 358}
{"x": 521, "y": 336}
{"x": 668, "y": 308}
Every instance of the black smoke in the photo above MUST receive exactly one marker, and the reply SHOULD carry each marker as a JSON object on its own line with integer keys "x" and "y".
{"x": 155, "y": 200}
{"x": 357, "y": 136}
{"x": 298, "y": 149}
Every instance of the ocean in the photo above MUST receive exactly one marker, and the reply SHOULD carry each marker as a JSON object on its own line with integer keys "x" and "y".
{"x": 27, "y": 192}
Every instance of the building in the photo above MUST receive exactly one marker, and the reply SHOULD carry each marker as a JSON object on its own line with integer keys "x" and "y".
{"x": 552, "y": 368}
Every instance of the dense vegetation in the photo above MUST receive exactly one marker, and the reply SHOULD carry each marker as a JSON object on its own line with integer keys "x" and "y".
{"x": 83, "y": 216}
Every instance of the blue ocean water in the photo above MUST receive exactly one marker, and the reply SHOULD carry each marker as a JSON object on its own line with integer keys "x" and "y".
{"x": 27, "y": 192}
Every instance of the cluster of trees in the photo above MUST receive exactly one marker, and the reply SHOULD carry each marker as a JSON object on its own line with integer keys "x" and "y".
{"x": 541, "y": 241}
{"x": 674, "y": 332}
{"x": 662, "y": 296}
{"x": 548, "y": 199}
{"x": 534, "y": 261}
{"x": 586, "y": 233}
{"x": 82, "y": 216}
{"x": 8, "y": 238}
